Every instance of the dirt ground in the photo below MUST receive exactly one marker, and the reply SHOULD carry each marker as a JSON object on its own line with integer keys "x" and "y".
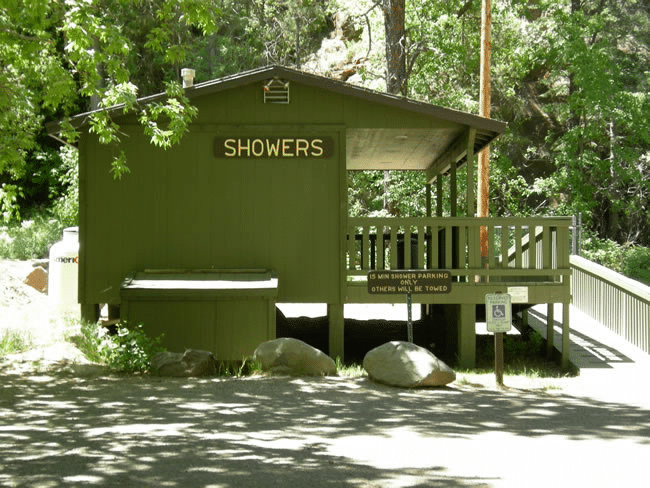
{"x": 65, "y": 422}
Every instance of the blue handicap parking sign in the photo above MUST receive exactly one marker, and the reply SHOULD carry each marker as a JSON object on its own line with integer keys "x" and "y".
{"x": 499, "y": 311}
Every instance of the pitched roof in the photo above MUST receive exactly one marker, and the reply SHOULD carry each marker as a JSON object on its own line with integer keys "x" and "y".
{"x": 372, "y": 148}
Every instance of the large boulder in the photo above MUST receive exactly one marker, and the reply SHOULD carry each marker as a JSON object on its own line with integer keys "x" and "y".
{"x": 193, "y": 362}
{"x": 293, "y": 357}
{"x": 405, "y": 364}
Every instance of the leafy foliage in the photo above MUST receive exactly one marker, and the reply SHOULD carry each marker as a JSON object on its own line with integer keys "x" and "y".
{"x": 29, "y": 239}
{"x": 129, "y": 350}
{"x": 65, "y": 208}
{"x": 637, "y": 264}
{"x": 570, "y": 78}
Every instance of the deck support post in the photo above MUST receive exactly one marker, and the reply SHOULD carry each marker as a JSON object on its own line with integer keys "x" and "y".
{"x": 524, "y": 319}
{"x": 467, "y": 335}
{"x": 89, "y": 312}
{"x": 336, "y": 330}
{"x": 565, "y": 336}
{"x": 550, "y": 332}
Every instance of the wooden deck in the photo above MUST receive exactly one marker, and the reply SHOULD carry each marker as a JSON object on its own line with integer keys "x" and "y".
{"x": 526, "y": 256}
{"x": 454, "y": 244}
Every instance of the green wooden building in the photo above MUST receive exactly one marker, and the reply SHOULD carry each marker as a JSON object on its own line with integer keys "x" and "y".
{"x": 202, "y": 240}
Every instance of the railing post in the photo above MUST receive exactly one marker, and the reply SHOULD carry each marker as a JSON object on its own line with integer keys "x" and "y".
{"x": 381, "y": 261}
{"x": 421, "y": 256}
{"x": 393, "y": 246}
{"x": 518, "y": 247}
{"x": 532, "y": 247}
{"x": 365, "y": 247}
{"x": 408, "y": 262}
{"x": 505, "y": 261}
{"x": 474, "y": 249}
{"x": 434, "y": 251}
{"x": 491, "y": 257}
{"x": 352, "y": 258}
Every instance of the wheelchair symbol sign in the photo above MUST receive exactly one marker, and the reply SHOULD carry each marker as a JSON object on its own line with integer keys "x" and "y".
{"x": 499, "y": 312}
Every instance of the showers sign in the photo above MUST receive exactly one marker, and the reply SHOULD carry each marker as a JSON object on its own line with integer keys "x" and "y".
{"x": 267, "y": 147}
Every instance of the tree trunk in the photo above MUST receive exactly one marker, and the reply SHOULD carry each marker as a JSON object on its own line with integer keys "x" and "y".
{"x": 395, "y": 46}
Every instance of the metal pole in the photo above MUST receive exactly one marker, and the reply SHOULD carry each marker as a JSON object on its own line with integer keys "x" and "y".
{"x": 574, "y": 235}
{"x": 498, "y": 358}
{"x": 409, "y": 323}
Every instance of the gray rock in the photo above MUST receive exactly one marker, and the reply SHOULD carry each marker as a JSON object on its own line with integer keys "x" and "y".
{"x": 192, "y": 362}
{"x": 293, "y": 357}
{"x": 408, "y": 365}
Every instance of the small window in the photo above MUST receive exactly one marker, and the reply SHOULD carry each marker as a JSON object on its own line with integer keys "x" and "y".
{"x": 276, "y": 91}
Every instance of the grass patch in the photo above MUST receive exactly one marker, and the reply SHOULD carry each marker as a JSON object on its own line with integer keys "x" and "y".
{"x": 523, "y": 355}
{"x": 14, "y": 341}
{"x": 349, "y": 370}
{"x": 239, "y": 369}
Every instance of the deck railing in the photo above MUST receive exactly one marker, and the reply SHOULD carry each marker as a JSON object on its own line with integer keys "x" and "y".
{"x": 453, "y": 243}
{"x": 619, "y": 303}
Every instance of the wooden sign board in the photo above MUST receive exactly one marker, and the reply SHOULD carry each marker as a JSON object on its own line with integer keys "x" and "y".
{"x": 265, "y": 147}
{"x": 409, "y": 282}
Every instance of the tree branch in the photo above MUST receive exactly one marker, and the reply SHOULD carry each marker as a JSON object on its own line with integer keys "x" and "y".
{"x": 463, "y": 10}
{"x": 365, "y": 16}
{"x": 421, "y": 48}
{"x": 24, "y": 37}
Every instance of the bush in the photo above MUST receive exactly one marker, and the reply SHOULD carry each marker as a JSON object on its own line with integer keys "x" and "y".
{"x": 33, "y": 237}
{"x": 30, "y": 239}
{"x": 636, "y": 264}
{"x": 631, "y": 261}
{"x": 604, "y": 252}
{"x": 129, "y": 350}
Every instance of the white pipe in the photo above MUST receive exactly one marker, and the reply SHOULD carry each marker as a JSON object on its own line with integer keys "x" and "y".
{"x": 188, "y": 77}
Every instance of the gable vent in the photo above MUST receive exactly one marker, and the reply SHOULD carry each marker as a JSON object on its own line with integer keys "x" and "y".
{"x": 276, "y": 91}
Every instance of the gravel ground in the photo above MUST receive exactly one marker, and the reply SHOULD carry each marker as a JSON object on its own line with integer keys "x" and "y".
{"x": 65, "y": 422}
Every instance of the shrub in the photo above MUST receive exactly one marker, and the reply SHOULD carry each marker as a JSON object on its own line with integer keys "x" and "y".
{"x": 30, "y": 239}
{"x": 33, "y": 237}
{"x": 636, "y": 263}
{"x": 129, "y": 350}
{"x": 604, "y": 252}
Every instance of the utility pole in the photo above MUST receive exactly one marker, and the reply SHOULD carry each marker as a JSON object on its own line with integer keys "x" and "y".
{"x": 484, "y": 111}
{"x": 483, "y": 200}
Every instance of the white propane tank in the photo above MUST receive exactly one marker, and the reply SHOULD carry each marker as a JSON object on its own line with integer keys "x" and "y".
{"x": 63, "y": 275}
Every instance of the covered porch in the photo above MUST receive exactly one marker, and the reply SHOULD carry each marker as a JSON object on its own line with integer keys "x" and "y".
{"x": 527, "y": 257}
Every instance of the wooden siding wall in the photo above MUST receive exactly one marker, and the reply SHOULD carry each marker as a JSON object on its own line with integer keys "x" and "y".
{"x": 230, "y": 328}
{"x": 184, "y": 208}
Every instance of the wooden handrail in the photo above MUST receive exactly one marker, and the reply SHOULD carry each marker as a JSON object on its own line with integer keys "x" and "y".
{"x": 453, "y": 243}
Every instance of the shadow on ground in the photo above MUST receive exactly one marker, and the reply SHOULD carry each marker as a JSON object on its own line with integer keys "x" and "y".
{"x": 587, "y": 352}
{"x": 62, "y": 430}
